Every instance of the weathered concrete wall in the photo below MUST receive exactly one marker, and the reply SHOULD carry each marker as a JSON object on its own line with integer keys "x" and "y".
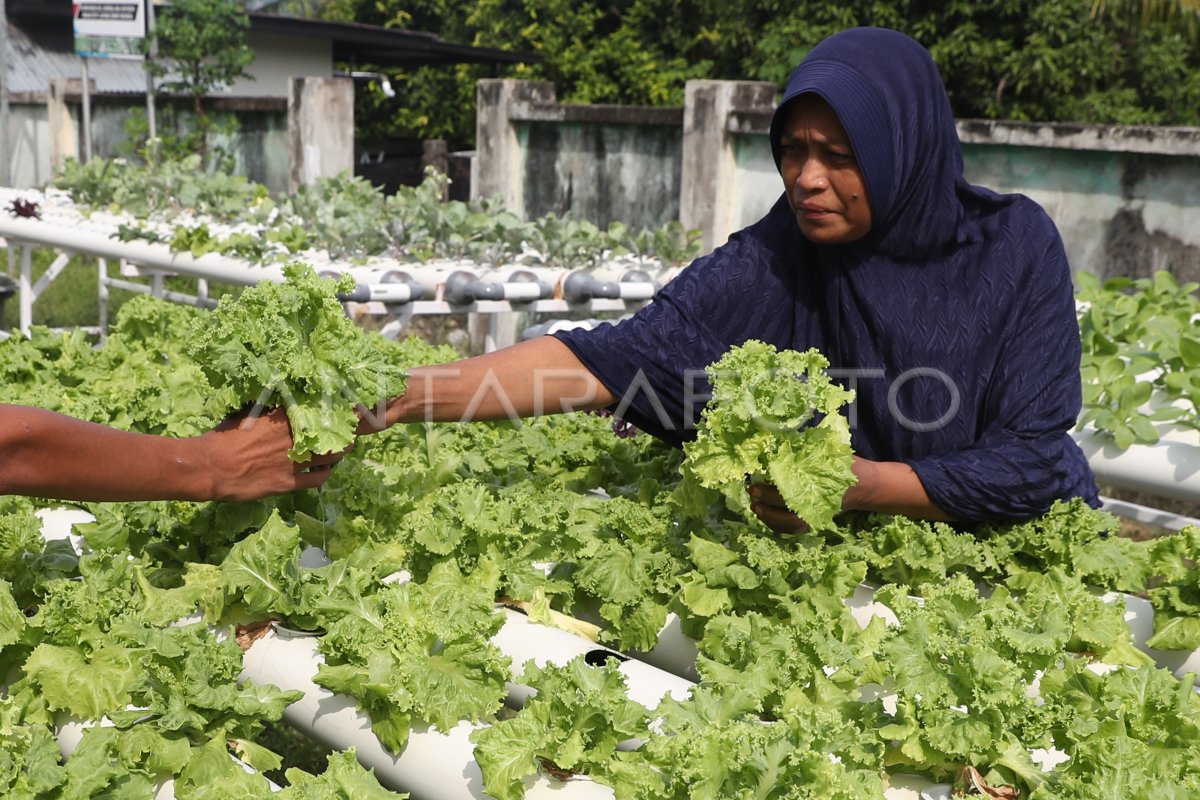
{"x": 48, "y": 135}
{"x": 320, "y": 128}
{"x": 758, "y": 185}
{"x": 601, "y": 163}
{"x": 717, "y": 116}
{"x": 1126, "y": 199}
{"x": 29, "y": 153}
{"x": 601, "y": 173}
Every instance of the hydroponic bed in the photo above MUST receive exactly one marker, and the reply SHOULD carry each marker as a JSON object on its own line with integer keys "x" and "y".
{"x": 875, "y": 657}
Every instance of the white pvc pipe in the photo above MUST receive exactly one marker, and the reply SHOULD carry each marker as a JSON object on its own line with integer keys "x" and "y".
{"x": 1168, "y": 468}
{"x": 57, "y": 525}
{"x": 1146, "y": 514}
{"x": 914, "y": 787}
{"x": 1139, "y": 616}
{"x": 68, "y": 733}
{"x": 149, "y": 254}
{"x": 435, "y": 765}
{"x": 523, "y": 640}
{"x": 676, "y": 653}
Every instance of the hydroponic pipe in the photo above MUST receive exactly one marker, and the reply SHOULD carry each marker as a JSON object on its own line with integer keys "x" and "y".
{"x": 676, "y": 653}
{"x": 580, "y": 286}
{"x": 1168, "y": 468}
{"x": 1139, "y": 616}
{"x": 68, "y": 733}
{"x": 523, "y": 640}
{"x": 149, "y": 254}
{"x": 435, "y": 765}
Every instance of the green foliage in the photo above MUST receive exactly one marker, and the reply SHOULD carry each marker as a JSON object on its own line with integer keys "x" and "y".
{"x": 982, "y": 648}
{"x": 578, "y": 717}
{"x": 775, "y": 416}
{"x": 1044, "y": 60}
{"x": 1184, "y": 12}
{"x": 201, "y": 46}
{"x": 1141, "y": 356}
{"x": 415, "y": 652}
{"x": 165, "y": 187}
{"x": 349, "y": 218}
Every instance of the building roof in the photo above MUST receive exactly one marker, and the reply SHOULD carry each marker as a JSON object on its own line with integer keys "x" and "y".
{"x": 371, "y": 44}
{"x": 38, "y": 55}
{"x": 42, "y": 48}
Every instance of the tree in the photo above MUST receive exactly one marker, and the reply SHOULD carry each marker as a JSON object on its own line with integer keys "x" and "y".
{"x": 1036, "y": 60}
{"x": 201, "y": 46}
{"x": 1185, "y": 11}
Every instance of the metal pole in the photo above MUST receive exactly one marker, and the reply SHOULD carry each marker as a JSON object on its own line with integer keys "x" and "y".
{"x": 25, "y": 286}
{"x": 6, "y": 148}
{"x": 150, "y": 56}
{"x": 87, "y": 113}
{"x": 102, "y": 291}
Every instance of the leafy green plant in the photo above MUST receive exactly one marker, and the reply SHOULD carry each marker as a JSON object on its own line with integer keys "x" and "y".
{"x": 999, "y": 643}
{"x": 290, "y": 344}
{"x": 349, "y": 218}
{"x": 1141, "y": 355}
{"x": 165, "y": 188}
{"x": 775, "y": 416}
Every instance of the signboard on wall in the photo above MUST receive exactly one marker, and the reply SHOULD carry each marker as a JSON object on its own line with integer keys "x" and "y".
{"x": 109, "y": 28}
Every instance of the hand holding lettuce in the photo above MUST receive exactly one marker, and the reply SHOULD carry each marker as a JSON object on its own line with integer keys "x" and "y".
{"x": 774, "y": 416}
{"x": 291, "y": 344}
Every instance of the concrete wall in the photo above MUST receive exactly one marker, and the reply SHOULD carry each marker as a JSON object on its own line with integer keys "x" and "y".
{"x": 1126, "y": 199}
{"x": 720, "y": 182}
{"x": 601, "y": 172}
{"x": 29, "y": 155}
{"x": 320, "y": 128}
{"x": 601, "y": 163}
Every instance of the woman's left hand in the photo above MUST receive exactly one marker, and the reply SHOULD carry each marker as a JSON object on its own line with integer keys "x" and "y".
{"x": 767, "y": 504}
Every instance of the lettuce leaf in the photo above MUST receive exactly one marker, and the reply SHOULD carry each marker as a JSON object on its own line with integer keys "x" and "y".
{"x": 291, "y": 344}
{"x": 775, "y": 415}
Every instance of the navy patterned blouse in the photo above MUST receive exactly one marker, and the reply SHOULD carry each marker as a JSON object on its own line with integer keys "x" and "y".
{"x": 953, "y": 319}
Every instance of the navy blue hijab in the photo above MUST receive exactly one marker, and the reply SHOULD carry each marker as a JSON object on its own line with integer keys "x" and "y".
{"x": 953, "y": 318}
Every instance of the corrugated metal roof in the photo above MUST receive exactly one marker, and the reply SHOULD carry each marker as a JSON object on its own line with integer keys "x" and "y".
{"x": 42, "y": 48}
{"x": 37, "y": 56}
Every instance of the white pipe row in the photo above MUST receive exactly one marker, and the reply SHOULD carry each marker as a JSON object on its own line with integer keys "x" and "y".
{"x": 156, "y": 256}
{"x": 1146, "y": 514}
{"x": 1167, "y": 468}
{"x": 1139, "y": 616}
{"x": 68, "y": 733}
{"x": 523, "y": 640}
{"x": 435, "y": 765}
{"x": 380, "y": 283}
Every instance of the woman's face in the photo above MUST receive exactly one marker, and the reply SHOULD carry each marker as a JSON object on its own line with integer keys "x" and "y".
{"x": 821, "y": 176}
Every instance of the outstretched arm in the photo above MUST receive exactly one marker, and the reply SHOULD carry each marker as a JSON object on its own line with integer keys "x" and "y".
{"x": 44, "y": 454}
{"x": 540, "y": 376}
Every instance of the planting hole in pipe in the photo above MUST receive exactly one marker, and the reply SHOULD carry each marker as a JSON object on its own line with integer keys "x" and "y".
{"x": 597, "y": 657}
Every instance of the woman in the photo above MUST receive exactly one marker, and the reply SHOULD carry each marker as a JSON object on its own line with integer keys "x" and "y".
{"x": 949, "y": 309}
{"x": 45, "y": 454}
